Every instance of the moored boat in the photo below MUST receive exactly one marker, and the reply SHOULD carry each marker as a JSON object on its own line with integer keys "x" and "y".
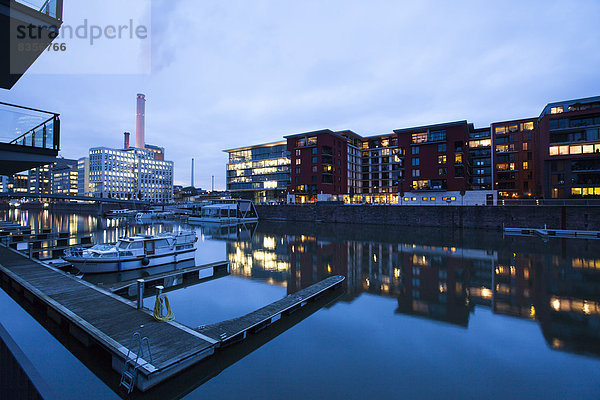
{"x": 134, "y": 252}
{"x": 226, "y": 211}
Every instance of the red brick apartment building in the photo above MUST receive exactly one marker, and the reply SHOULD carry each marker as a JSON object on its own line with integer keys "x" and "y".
{"x": 514, "y": 158}
{"x": 436, "y": 157}
{"x": 323, "y": 162}
{"x": 556, "y": 155}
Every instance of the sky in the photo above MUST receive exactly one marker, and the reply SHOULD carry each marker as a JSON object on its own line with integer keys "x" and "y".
{"x": 220, "y": 74}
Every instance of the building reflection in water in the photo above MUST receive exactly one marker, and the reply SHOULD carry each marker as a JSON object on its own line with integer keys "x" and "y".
{"x": 440, "y": 276}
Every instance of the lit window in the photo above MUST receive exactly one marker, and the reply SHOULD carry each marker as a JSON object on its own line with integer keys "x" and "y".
{"x": 458, "y": 158}
{"x": 499, "y": 130}
{"x": 419, "y": 137}
{"x": 432, "y": 198}
{"x": 442, "y": 159}
{"x": 298, "y": 161}
{"x": 424, "y": 199}
{"x": 525, "y": 165}
{"x": 556, "y": 110}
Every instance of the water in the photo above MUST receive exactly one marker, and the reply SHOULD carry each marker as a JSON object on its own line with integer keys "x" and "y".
{"x": 427, "y": 313}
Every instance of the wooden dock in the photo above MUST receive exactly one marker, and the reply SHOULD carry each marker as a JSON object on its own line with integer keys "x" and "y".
{"x": 548, "y": 232}
{"x": 99, "y": 318}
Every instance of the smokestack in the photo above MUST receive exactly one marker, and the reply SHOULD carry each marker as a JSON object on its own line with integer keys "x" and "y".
{"x": 126, "y": 140}
{"x": 140, "y": 122}
{"x": 192, "y": 172}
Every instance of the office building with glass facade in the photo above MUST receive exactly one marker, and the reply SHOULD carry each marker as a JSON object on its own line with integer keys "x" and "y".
{"x": 130, "y": 174}
{"x": 260, "y": 173}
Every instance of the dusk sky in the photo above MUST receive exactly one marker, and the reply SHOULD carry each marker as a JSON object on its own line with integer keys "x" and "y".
{"x": 226, "y": 73}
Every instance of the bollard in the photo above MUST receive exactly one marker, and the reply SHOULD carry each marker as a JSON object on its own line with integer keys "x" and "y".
{"x": 159, "y": 290}
{"x": 140, "y": 294}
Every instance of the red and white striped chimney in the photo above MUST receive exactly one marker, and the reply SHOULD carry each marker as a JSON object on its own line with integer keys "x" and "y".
{"x": 140, "y": 122}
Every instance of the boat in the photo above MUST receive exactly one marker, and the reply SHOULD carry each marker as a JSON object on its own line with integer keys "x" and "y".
{"x": 226, "y": 211}
{"x": 120, "y": 214}
{"x": 146, "y": 216}
{"x": 135, "y": 252}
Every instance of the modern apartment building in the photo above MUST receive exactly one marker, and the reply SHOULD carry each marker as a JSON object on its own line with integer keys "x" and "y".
{"x": 554, "y": 156}
{"x": 569, "y": 150}
{"x": 323, "y": 163}
{"x": 130, "y": 174}
{"x": 260, "y": 173}
{"x": 514, "y": 144}
{"x": 436, "y": 157}
{"x": 65, "y": 179}
{"x": 83, "y": 177}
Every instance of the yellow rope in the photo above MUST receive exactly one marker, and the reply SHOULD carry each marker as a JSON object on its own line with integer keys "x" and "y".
{"x": 158, "y": 309}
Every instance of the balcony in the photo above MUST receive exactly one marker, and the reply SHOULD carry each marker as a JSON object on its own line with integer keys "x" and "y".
{"x": 29, "y": 138}
{"x": 28, "y": 28}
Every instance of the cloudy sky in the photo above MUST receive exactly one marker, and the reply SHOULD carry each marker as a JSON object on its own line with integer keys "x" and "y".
{"x": 226, "y": 73}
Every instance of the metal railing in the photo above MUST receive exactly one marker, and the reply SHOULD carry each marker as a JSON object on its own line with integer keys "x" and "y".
{"x": 35, "y": 128}
{"x": 52, "y": 8}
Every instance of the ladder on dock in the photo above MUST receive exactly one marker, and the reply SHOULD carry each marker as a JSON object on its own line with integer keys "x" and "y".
{"x": 131, "y": 365}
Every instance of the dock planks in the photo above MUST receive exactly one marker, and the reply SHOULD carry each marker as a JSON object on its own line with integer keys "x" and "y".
{"x": 109, "y": 320}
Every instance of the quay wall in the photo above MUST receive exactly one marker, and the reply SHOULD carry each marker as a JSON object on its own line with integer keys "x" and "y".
{"x": 472, "y": 217}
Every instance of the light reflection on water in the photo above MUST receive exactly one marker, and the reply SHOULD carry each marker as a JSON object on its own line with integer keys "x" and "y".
{"x": 464, "y": 307}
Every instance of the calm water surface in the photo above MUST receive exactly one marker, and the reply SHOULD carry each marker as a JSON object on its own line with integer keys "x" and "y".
{"x": 426, "y": 313}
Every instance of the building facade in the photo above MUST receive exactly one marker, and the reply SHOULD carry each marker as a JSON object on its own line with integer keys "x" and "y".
{"x": 556, "y": 155}
{"x": 323, "y": 163}
{"x": 480, "y": 159}
{"x": 130, "y": 174}
{"x": 65, "y": 179}
{"x": 515, "y": 171}
{"x": 259, "y": 173}
{"x": 436, "y": 157}
{"x": 569, "y": 151}
{"x": 83, "y": 177}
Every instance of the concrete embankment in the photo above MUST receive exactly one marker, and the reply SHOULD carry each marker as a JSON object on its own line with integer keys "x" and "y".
{"x": 472, "y": 217}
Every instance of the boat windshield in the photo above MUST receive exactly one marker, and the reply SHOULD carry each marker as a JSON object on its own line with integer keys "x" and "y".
{"x": 122, "y": 244}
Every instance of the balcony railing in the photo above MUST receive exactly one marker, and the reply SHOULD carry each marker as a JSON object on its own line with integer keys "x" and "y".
{"x": 52, "y": 8}
{"x": 29, "y": 127}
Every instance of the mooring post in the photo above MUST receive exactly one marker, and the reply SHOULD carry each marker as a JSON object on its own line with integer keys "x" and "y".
{"x": 159, "y": 290}
{"x": 140, "y": 294}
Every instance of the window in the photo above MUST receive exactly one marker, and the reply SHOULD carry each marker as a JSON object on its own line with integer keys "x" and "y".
{"x": 416, "y": 161}
{"x": 458, "y": 158}
{"x": 419, "y": 137}
{"x": 314, "y": 150}
{"x": 442, "y": 159}
{"x": 442, "y": 148}
{"x": 432, "y": 198}
{"x": 416, "y": 173}
{"x": 297, "y": 170}
{"x": 424, "y": 198}
{"x": 556, "y": 110}
{"x": 525, "y": 165}
{"x": 527, "y": 126}
{"x": 415, "y": 150}
{"x": 314, "y": 160}
{"x": 314, "y": 169}
{"x": 500, "y": 130}
{"x": 442, "y": 171}
{"x": 298, "y": 152}
{"x": 298, "y": 161}
{"x": 436, "y": 136}
{"x": 525, "y": 146}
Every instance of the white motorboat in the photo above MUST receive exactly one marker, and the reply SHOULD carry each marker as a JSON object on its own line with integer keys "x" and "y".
{"x": 146, "y": 216}
{"x": 226, "y": 211}
{"x": 134, "y": 252}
